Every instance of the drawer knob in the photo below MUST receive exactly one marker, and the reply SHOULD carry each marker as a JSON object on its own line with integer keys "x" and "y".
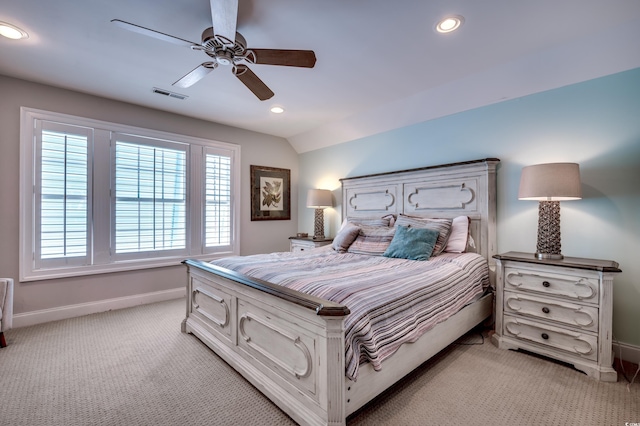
{"x": 546, "y": 284}
{"x": 545, "y": 336}
{"x": 545, "y": 310}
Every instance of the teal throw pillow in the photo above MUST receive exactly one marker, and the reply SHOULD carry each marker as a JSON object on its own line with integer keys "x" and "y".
{"x": 412, "y": 243}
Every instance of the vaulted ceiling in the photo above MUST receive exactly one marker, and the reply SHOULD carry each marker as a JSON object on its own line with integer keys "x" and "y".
{"x": 380, "y": 64}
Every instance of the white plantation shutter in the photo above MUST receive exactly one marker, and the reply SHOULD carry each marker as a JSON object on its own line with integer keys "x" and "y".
{"x": 218, "y": 224}
{"x": 62, "y": 194}
{"x": 98, "y": 197}
{"x": 150, "y": 197}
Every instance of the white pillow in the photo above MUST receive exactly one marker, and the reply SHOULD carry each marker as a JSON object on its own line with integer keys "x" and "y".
{"x": 459, "y": 235}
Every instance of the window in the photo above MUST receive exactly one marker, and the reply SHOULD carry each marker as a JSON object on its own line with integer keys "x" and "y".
{"x": 217, "y": 200}
{"x": 62, "y": 194}
{"x": 100, "y": 197}
{"x": 150, "y": 198}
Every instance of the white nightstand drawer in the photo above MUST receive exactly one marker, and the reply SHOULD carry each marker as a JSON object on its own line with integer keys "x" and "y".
{"x": 298, "y": 248}
{"x": 566, "y": 313}
{"x": 303, "y": 244}
{"x": 579, "y": 288}
{"x": 577, "y": 343}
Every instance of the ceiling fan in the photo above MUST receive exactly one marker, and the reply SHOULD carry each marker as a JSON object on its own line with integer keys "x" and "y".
{"x": 227, "y": 47}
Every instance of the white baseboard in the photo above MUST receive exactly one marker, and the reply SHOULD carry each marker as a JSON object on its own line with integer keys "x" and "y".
{"x": 629, "y": 352}
{"x": 71, "y": 311}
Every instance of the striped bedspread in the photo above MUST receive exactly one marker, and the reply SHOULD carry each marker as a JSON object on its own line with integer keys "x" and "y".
{"x": 392, "y": 301}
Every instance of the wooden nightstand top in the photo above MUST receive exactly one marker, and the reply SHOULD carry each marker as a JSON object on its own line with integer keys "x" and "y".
{"x": 569, "y": 262}
{"x": 315, "y": 240}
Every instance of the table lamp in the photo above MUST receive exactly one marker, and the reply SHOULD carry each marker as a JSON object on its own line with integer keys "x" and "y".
{"x": 319, "y": 199}
{"x": 549, "y": 184}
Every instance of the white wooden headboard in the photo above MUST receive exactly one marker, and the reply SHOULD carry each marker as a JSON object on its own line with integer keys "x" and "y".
{"x": 444, "y": 191}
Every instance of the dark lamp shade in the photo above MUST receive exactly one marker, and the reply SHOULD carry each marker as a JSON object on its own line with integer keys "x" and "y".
{"x": 550, "y": 182}
{"x": 319, "y": 198}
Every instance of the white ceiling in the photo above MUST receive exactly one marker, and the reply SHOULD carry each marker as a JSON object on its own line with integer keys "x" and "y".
{"x": 380, "y": 64}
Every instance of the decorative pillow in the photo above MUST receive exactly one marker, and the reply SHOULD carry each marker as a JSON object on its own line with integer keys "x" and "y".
{"x": 443, "y": 226}
{"x": 391, "y": 218}
{"x": 345, "y": 237}
{"x": 412, "y": 243}
{"x": 459, "y": 235}
{"x": 372, "y": 240}
{"x": 369, "y": 221}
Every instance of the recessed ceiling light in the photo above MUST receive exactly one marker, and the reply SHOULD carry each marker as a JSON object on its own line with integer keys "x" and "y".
{"x": 277, "y": 109}
{"x": 12, "y": 32}
{"x": 450, "y": 23}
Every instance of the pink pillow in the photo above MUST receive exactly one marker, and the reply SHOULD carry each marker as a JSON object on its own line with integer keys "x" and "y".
{"x": 459, "y": 235}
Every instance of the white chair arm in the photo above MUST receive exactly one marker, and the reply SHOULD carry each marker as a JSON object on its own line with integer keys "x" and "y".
{"x": 6, "y": 302}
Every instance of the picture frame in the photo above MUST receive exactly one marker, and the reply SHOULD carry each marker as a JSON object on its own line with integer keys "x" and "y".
{"x": 270, "y": 193}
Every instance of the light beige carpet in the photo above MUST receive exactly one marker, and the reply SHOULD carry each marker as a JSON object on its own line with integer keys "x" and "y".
{"x": 134, "y": 367}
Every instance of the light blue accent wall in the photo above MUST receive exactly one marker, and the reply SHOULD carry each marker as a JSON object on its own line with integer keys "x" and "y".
{"x": 595, "y": 123}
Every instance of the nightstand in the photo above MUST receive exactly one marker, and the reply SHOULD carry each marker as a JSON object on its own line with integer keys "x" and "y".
{"x": 299, "y": 244}
{"x": 561, "y": 309}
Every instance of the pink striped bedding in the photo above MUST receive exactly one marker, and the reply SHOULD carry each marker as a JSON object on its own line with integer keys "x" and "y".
{"x": 392, "y": 301}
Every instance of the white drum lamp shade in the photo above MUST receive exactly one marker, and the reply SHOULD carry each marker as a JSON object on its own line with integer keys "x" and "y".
{"x": 549, "y": 184}
{"x": 319, "y": 199}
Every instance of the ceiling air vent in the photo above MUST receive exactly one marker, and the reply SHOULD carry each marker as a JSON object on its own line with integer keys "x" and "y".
{"x": 168, "y": 93}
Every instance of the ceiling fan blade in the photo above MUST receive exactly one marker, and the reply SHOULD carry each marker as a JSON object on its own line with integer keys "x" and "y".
{"x": 290, "y": 58}
{"x": 253, "y": 83}
{"x": 152, "y": 33}
{"x": 224, "y": 14}
{"x": 196, "y": 75}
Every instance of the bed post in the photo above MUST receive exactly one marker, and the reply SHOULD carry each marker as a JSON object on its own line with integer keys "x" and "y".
{"x": 335, "y": 402}
{"x": 490, "y": 210}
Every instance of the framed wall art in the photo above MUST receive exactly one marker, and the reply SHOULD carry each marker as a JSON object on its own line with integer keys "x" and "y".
{"x": 270, "y": 193}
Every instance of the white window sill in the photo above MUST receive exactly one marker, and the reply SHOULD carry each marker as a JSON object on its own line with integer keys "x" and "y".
{"x": 123, "y": 266}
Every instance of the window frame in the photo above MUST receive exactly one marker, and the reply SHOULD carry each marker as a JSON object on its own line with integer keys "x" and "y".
{"x": 102, "y": 257}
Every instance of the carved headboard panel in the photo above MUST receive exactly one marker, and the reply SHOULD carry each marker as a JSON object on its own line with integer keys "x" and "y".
{"x": 445, "y": 191}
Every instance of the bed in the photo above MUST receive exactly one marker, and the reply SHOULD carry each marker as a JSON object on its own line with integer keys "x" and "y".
{"x": 301, "y": 343}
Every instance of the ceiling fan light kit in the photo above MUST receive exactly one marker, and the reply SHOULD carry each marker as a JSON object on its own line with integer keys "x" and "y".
{"x": 227, "y": 47}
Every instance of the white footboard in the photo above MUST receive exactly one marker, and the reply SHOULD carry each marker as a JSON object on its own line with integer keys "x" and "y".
{"x": 287, "y": 344}
{"x": 291, "y": 346}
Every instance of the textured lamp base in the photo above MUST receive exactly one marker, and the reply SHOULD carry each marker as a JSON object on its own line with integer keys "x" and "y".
{"x": 548, "y": 246}
{"x": 318, "y": 224}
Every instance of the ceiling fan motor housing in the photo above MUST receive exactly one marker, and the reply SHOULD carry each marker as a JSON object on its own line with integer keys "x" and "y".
{"x": 224, "y": 55}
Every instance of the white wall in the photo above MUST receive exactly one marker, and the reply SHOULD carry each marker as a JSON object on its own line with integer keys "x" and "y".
{"x": 256, "y": 237}
{"x": 595, "y": 123}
